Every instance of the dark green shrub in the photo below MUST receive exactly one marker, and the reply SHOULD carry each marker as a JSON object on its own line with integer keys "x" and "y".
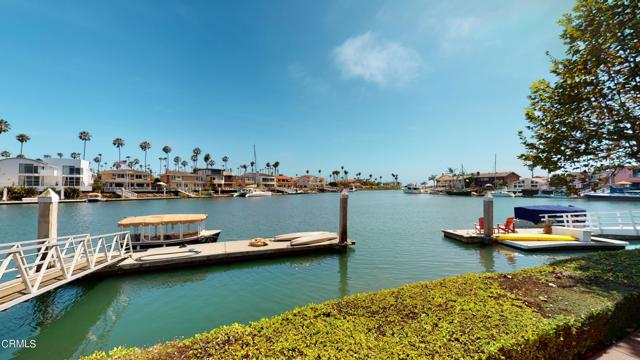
{"x": 72, "y": 193}
{"x": 19, "y": 192}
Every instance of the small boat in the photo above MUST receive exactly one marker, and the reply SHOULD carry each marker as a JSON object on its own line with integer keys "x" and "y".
{"x": 257, "y": 193}
{"x": 612, "y": 196}
{"x": 252, "y": 192}
{"x": 95, "y": 197}
{"x": 352, "y": 188}
{"x": 502, "y": 193}
{"x": 459, "y": 192}
{"x": 413, "y": 189}
{"x": 167, "y": 230}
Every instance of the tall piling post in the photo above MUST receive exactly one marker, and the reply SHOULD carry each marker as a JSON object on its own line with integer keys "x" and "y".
{"x": 48, "y": 215}
{"x": 47, "y": 220}
{"x": 344, "y": 205}
{"x": 488, "y": 215}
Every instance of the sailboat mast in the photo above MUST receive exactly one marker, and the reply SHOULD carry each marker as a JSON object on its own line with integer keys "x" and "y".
{"x": 495, "y": 171}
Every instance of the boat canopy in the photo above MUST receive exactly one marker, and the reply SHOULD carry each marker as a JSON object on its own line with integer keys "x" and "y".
{"x": 532, "y": 213}
{"x": 162, "y": 219}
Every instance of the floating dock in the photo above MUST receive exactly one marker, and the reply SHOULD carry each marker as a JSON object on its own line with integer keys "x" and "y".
{"x": 596, "y": 243}
{"x": 215, "y": 253}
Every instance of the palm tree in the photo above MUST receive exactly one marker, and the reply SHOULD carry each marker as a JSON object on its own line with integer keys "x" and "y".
{"x": 46, "y": 156}
{"x": 84, "y": 136}
{"x": 161, "y": 159}
{"x": 225, "y": 160}
{"x": 145, "y": 146}
{"x": 184, "y": 164}
{"x": 4, "y": 126}
{"x": 307, "y": 172}
{"x": 177, "y": 160}
{"x": 98, "y": 160}
{"x": 244, "y": 167}
{"x": 319, "y": 172}
{"x": 276, "y": 165}
{"x": 196, "y": 152}
{"x": 194, "y": 158}
{"x": 75, "y": 155}
{"x": 60, "y": 155}
{"x": 207, "y": 159}
{"x": 22, "y": 138}
{"x": 253, "y": 165}
{"x": 5, "y": 154}
{"x": 335, "y": 174}
{"x": 166, "y": 149}
{"x": 433, "y": 179}
{"x": 118, "y": 143}
{"x": 210, "y": 163}
{"x": 268, "y": 166}
{"x": 345, "y": 174}
{"x": 133, "y": 163}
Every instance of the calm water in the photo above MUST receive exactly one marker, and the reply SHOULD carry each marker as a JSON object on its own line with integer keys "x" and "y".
{"x": 399, "y": 241}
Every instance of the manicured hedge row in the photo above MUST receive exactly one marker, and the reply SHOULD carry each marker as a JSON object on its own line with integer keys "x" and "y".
{"x": 558, "y": 311}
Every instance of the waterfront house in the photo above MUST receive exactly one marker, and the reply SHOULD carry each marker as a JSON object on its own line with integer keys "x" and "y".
{"x": 285, "y": 182}
{"x": 504, "y": 178}
{"x": 128, "y": 179}
{"x": 529, "y": 184}
{"x": 256, "y": 179}
{"x": 54, "y": 173}
{"x": 309, "y": 182}
{"x": 75, "y": 172}
{"x": 29, "y": 173}
{"x": 628, "y": 177}
{"x": 181, "y": 180}
{"x": 216, "y": 179}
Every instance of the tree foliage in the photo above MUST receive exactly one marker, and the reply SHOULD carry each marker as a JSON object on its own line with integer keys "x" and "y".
{"x": 588, "y": 116}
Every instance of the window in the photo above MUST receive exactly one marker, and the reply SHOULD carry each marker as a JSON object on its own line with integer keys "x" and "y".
{"x": 71, "y": 170}
{"x": 71, "y": 181}
{"x": 636, "y": 172}
{"x": 29, "y": 180}
{"x": 29, "y": 169}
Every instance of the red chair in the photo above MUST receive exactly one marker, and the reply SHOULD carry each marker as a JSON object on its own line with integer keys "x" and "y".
{"x": 509, "y": 226}
{"x": 480, "y": 225}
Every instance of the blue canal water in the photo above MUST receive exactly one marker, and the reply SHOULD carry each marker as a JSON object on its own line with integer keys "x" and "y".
{"x": 398, "y": 242}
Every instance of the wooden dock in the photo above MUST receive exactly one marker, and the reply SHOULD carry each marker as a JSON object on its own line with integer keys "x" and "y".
{"x": 596, "y": 243}
{"x": 215, "y": 253}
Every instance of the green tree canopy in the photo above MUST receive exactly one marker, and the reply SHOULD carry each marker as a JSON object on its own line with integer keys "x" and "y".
{"x": 588, "y": 115}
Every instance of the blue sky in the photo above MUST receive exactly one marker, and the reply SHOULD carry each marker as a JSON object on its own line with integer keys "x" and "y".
{"x": 410, "y": 87}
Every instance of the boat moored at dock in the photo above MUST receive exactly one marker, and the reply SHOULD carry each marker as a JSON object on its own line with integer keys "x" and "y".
{"x": 414, "y": 189}
{"x": 167, "y": 230}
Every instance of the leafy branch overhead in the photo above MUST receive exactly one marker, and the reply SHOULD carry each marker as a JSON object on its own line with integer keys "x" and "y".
{"x": 588, "y": 117}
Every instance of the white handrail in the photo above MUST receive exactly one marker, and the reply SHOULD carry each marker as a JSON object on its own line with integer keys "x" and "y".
{"x": 56, "y": 262}
{"x": 625, "y": 222}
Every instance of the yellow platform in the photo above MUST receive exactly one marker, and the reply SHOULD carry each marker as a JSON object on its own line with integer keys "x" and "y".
{"x": 534, "y": 237}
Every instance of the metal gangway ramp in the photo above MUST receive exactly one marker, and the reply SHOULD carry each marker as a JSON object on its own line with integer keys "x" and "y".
{"x": 618, "y": 223}
{"x": 30, "y": 268}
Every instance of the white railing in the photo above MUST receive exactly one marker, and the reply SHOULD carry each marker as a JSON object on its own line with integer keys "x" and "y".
{"x": 126, "y": 193}
{"x": 30, "y": 268}
{"x": 624, "y": 222}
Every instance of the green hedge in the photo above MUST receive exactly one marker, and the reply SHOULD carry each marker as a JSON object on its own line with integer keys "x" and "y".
{"x": 557, "y": 311}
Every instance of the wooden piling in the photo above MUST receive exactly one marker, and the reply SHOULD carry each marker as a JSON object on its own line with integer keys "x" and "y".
{"x": 488, "y": 215}
{"x": 344, "y": 205}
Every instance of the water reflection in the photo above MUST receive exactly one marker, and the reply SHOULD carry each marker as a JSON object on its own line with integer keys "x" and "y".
{"x": 343, "y": 266}
{"x": 75, "y": 322}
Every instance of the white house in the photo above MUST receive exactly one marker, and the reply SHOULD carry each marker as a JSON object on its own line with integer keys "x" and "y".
{"x": 54, "y": 173}
{"x": 534, "y": 183}
{"x": 75, "y": 172}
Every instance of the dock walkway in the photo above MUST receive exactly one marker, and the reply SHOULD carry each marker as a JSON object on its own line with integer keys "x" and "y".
{"x": 214, "y": 253}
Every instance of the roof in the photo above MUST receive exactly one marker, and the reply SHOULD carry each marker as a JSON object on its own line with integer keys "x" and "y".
{"x": 162, "y": 219}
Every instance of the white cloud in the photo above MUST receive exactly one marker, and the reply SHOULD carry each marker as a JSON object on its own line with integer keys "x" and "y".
{"x": 461, "y": 27}
{"x": 298, "y": 73}
{"x": 382, "y": 62}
